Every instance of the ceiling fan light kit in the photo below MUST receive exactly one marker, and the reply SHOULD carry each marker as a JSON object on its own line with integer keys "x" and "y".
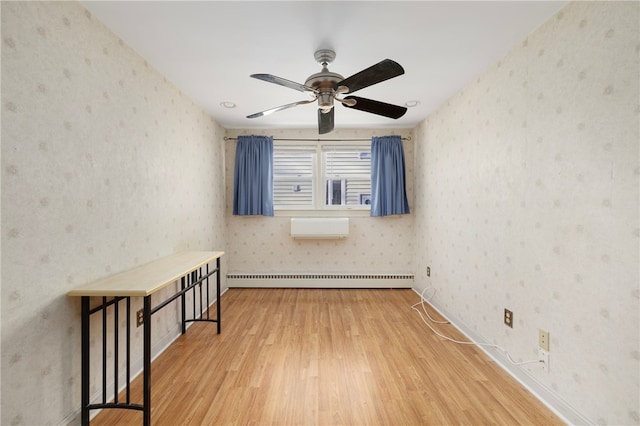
{"x": 325, "y": 86}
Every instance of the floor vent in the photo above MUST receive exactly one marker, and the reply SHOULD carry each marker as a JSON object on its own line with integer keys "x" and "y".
{"x": 323, "y": 280}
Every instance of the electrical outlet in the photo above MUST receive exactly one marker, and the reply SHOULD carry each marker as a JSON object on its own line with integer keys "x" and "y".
{"x": 508, "y": 318}
{"x": 139, "y": 318}
{"x": 543, "y": 356}
{"x": 428, "y": 271}
{"x": 543, "y": 339}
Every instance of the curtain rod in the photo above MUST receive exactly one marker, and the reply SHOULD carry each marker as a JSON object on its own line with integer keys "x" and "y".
{"x": 408, "y": 138}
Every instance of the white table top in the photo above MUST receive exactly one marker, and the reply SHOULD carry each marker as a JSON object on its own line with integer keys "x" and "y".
{"x": 149, "y": 278}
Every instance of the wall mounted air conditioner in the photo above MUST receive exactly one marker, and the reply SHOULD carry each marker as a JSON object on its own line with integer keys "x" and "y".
{"x": 315, "y": 228}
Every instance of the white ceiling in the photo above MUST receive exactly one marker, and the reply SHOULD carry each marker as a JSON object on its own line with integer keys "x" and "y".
{"x": 208, "y": 49}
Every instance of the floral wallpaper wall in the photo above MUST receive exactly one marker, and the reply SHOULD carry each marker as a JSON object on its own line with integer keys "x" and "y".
{"x": 375, "y": 245}
{"x": 105, "y": 166}
{"x": 524, "y": 191}
{"x": 527, "y": 198}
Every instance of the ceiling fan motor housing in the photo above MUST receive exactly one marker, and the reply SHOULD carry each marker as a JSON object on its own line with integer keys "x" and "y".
{"x": 325, "y": 80}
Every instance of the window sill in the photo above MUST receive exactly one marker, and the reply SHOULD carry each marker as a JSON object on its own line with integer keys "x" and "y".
{"x": 324, "y": 213}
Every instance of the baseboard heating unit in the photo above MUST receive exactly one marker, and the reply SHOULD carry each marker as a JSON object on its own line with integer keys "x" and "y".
{"x": 320, "y": 280}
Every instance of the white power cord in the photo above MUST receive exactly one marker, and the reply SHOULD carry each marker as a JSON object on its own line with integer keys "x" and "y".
{"x": 424, "y": 308}
{"x": 460, "y": 342}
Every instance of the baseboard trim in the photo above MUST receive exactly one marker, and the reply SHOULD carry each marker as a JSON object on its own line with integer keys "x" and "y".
{"x": 319, "y": 280}
{"x": 549, "y": 398}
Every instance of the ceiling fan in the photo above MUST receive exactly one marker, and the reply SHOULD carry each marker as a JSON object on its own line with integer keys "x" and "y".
{"x": 325, "y": 87}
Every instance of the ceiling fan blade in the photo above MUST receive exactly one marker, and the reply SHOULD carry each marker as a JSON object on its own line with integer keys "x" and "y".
{"x": 284, "y": 82}
{"x": 377, "y": 73}
{"x": 325, "y": 121}
{"x": 280, "y": 108}
{"x": 376, "y": 107}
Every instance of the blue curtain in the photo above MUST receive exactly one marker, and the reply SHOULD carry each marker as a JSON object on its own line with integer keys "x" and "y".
{"x": 388, "y": 190}
{"x": 253, "y": 177}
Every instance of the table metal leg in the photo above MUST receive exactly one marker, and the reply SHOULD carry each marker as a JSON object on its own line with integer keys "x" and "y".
{"x": 85, "y": 360}
{"x": 183, "y": 302}
{"x": 218, "y": 293}
{"x": 146, "y": 397}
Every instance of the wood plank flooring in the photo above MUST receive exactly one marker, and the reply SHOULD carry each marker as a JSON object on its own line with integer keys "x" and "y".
{"x": 327, "y": 357}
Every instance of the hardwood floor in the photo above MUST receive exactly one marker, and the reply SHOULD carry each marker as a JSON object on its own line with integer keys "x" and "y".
{"x": 327, "y": 357}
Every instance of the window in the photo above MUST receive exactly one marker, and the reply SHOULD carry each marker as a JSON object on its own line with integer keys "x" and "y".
{"x": 321, "y": 176}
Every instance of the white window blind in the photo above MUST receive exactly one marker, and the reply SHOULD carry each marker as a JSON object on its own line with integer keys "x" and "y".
{"x": 293, "y": 177}
{"x": 347, "y": 173}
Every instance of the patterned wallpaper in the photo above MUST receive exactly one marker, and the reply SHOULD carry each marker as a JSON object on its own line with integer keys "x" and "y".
{"x": 105, "y": 166}
{"x": 527, "y": 198}
{"x": 374, "y": 245}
